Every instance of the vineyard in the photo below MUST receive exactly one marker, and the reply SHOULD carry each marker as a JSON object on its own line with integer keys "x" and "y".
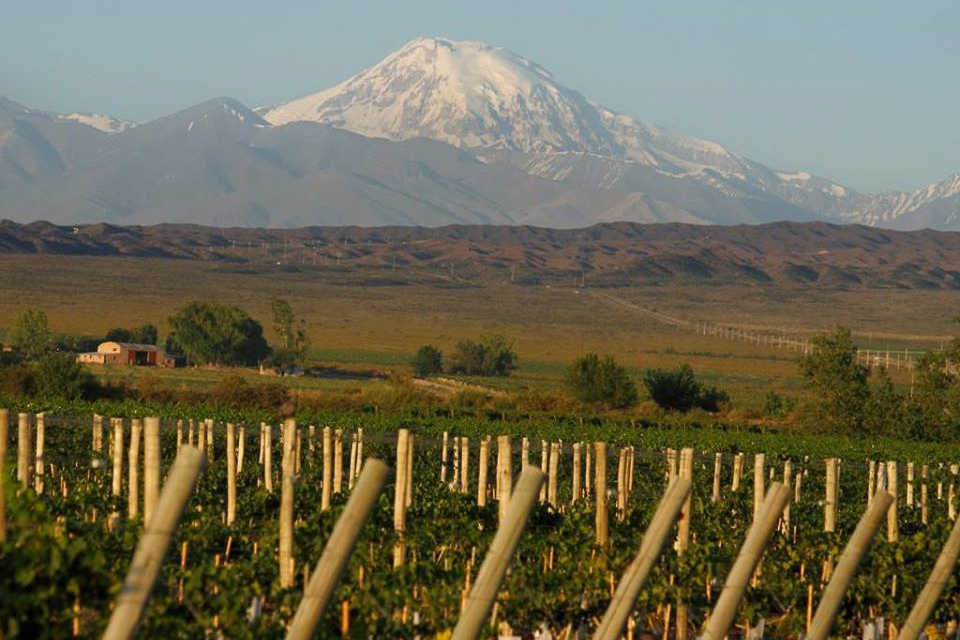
{"x": 78, "y": 489}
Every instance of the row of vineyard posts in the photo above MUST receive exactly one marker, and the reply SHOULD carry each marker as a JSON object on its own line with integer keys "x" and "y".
{"x": 197, "y": 446}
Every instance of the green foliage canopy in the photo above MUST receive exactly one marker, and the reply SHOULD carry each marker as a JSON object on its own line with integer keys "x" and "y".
{"x": 215, "y": 333}
{"x": 31, "y": 333}
{"x": 600, "y": 380}
{"x": 427, "y": 361}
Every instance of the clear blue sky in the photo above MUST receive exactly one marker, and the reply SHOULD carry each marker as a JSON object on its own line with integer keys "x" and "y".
{"x": 865, "y": 92}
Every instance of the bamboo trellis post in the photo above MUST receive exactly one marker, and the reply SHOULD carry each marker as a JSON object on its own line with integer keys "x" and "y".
{"x": 847, "y": 565}
{"x": 505, "y": 482}
{"x": 4, "y": 426}
{"x": 484, "y": 591}
{"x": 482, "y": 468}
{"x": 147, "y": 559}
{"x": 286, "y": 503}
{"x": 934, "y": 586}
{"x": 636, "y": 574}
{"x": 400, "y": 498}
{"x": 231, "y": 474}
{"x": 746, "y": 563}
{"x": 151, "y": 466}
{"x": 23, "y": 450}
{"x": 600, "y": 449}
{"x": 133, "y": 464}
{"x": 337, "y": 551}
{"x": 38, "y": 465}
{"x": 117, "y": 455}
{"x": 326, "y": 487}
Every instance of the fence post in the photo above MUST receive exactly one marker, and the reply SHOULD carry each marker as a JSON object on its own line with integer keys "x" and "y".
{"x": 622, "y": 604}
{"x": 133, "y": 469}
{"x": 117, "y": 455}
{"x": 38, "y": 461}
{"x": 337, "y": 551}
{"x": 490, "y": 576}
{"x": 148, "y": 557}
{"x": 241, "y": 440}
{"x": 338, "y": 461}
{"x": 482, "y": 468}
{"x": 286, "y": 502}
{"x": 683, "y": 534}
{"x": 600, "y": 448}
{"x": 893, "y": 533}
{"x": 400, "y": 498}
{"x": 443, "y": 459}
{"x": 23, "y": 450}
{"x": 726, "y": 608}
{"x": 759, "y": 483}
{"x": 231, "y": 474}
{"x": 830, "y": 497}
{"x": 575, "y": 485}
{"x": 847, "y": 565}
{"x": 505, "y": 482}
{"x": 552, "y": 484}
{"x": 151, "y": 466}
{"x": 97, "y": 432}
{"x": 326, "y": 486}
{"x": 717, "y": 466}
{"x": 268, "y": 457}
{"x": 464, "y": 464}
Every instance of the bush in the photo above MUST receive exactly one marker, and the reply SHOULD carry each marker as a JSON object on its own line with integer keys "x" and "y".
{"x": 236, "y": 391}
{"x": 31, "y": 333}
{"x": 146, "y": 334}
{"x": 679, "y": 390}
{"x": 428, "y": 360}
{"x": 59, "y": 375}
{"x": 595, "y": 379}
{"x": 214, "y": 333}
{"x": 493, "y": 355}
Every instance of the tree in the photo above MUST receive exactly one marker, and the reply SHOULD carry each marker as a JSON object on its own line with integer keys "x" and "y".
{"x": 31, "y": 333}
{"x": 840, "y": 384}
{"x": 293, "y": 338}
{"x": 679, "y": 390}
{"x": 428, "y": 360}
{"x": 595, "y": 379}
{"x": 59, "y": 375}
{"x": 493, "y": 355}
{"x": 145, "y": 334}
{"x": 215, "y": 333}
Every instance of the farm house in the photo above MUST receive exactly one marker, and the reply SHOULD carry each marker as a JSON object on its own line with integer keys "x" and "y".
{"x": 125, "y": 353}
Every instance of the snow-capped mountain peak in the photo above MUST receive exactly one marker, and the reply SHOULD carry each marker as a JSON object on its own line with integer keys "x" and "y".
{"x": 107, "y": 124}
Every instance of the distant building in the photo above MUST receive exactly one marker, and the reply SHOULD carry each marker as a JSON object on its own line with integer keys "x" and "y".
{"x": 126, "y": 353}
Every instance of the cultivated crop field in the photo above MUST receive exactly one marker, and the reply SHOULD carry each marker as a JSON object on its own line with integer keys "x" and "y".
{"x": 71, "y": 530}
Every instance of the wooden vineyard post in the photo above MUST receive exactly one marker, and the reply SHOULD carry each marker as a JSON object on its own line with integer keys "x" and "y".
{"x": 746, "y": 563}
{"x": 622, "y": 604}
{"x": 337, "y": 551}
{"x": 830, "y": 498}
{"x": 737, "y": 472}
{"x": 133, "y": 471}
{"x": 717, "y": 467}
{"x": 552, "y": 478}
{"x": 759, "y": 465}
{"x": 464, "y": 464}
{"x": 671, "y": 464}
{"x": 787, "y": 477}
{"x": 351, "y": 476}
{"x": 683, "y": 534}
{"x": 482, "y": 467}
{"x": 408, "y": 489}
{"x": 544, "y": 467}
{"x": 241, "y": 441}
{"x": 231, "y": 475}
{"x": 455, "y": 482}
{"x": 38, "y": 459}
{"x": 622, "y": 484}
{"x": 151, "y": 466}
{"x": 924, "y": 491}
{"x": 871, "y": 480}
{"x": 484, "y": 591}
{"x": 400, "y": 498}
{"x": 524, "y": 453}
{"x": 4, "y": 426}
{"x": 210, "y": 440}
{"x": 847, "y": 565}
{"x": 505, "y": 482}
{"x": 575, "y": 486}
{"x": 909, "y": 501}
{"x": 97, "y": 432}
{"x": 147, "y": 559}
{"x": 297, "y": 451}
{"x": 934, "y": 586}
{"x": 23, "y": 450}
{"x": 268, "y": 457}
{"x": 286, "y": 503}
{"x": 600, "y": 449}
{"x": 359, "y": 451}
{"x": 117, "y": 455}
{"x": 261, "y": 455}
{"x": 326, "y": 487}
{"x": 893, "y": 533}
{"x": 587, "y": 471}
{"x": 443, "y": 458}
{"x": 951, "y": 492}
{"x": 338, "y": 461}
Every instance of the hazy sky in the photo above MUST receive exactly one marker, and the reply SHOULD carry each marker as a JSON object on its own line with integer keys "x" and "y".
{"x": 865, "y": 92}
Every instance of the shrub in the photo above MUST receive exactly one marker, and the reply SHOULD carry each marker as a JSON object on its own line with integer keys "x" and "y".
{"x": 237, "y": 391}
{"x": 31, "y": 333}
{"x": 679, "y": 390}
{"x": 428, "y": 360}
{"x": 214, "y": 333}
{"x": 59, "y": 375}
{"x": 595, "y": 379}
{"x": 493, "y": 355}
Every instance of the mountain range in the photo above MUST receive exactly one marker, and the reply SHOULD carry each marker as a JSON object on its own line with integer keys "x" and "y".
{"x": 439, "y": 132}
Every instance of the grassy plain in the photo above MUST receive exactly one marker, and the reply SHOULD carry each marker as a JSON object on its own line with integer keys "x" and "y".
{"x": 370, "y": 321}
